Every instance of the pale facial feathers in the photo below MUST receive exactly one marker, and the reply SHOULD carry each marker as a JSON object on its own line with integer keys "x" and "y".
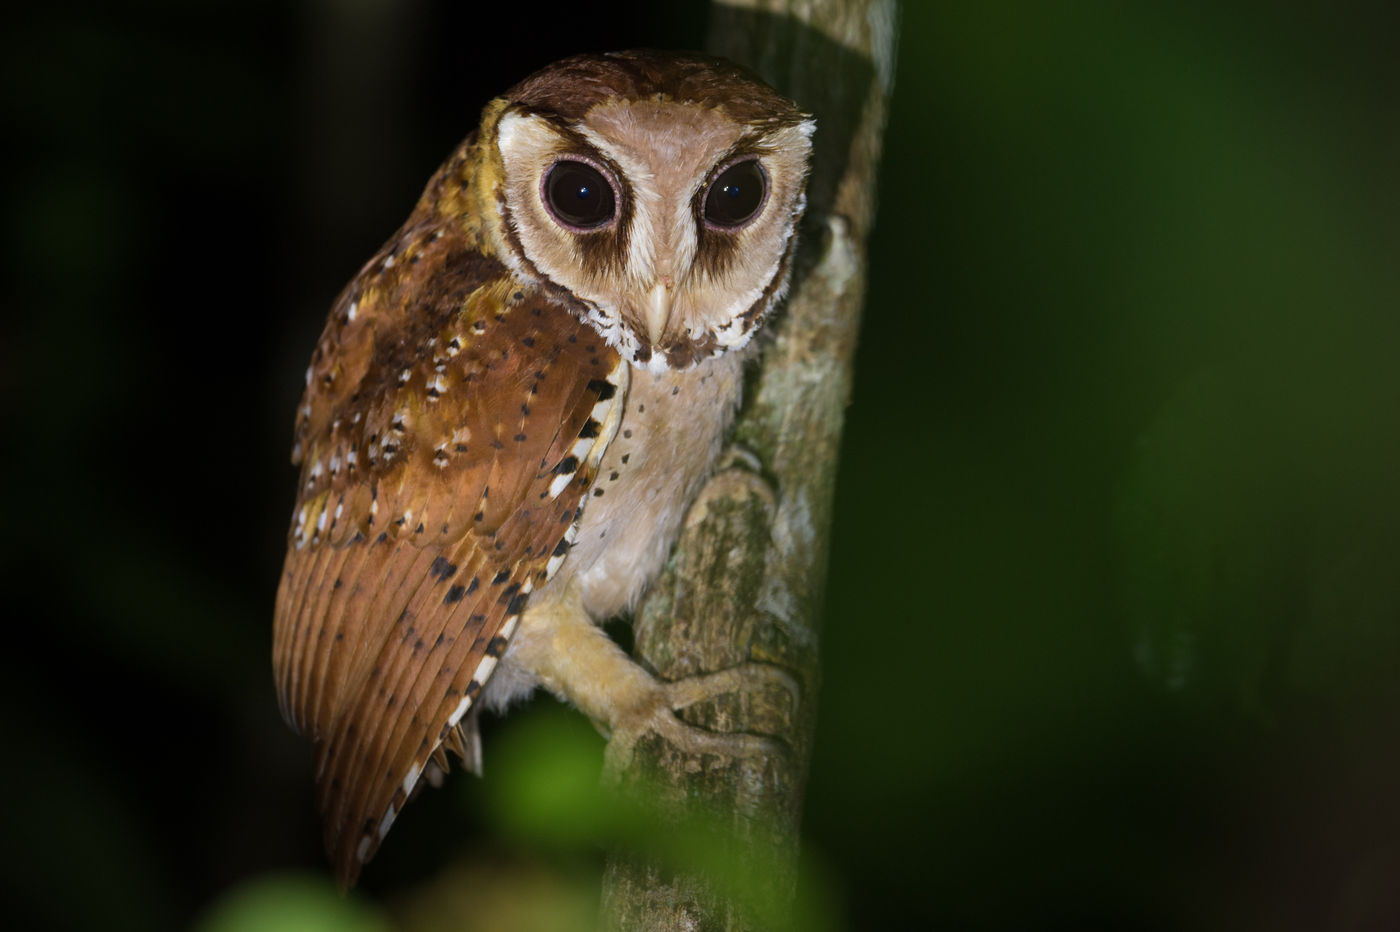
{"x": 658, "y": 281}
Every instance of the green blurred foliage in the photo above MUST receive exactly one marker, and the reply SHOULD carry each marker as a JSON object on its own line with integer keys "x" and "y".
{"x": 544, "y": 796}
{"x": 1113, "y": 618}
{"x": 290, "y": 904}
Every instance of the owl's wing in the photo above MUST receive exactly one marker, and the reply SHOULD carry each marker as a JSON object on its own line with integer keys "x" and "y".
{"x": 451, "y": 425}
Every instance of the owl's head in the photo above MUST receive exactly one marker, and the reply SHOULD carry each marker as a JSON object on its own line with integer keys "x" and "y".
{"x": 658, "y": 193}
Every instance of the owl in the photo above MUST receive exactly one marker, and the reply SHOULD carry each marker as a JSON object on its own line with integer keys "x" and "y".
{"x": 509, "y": 410}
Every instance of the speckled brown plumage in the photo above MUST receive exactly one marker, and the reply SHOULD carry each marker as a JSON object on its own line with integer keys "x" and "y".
{"x": 424, "y": 509}
{"x": 464, "y": 395}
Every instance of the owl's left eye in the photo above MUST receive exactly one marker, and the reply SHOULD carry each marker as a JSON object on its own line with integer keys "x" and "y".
{"x": 578, "y": 195}
{"x": 736, "y": 195}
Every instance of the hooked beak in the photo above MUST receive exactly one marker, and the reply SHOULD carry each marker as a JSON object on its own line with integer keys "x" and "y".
{"x": 658, "y": 310}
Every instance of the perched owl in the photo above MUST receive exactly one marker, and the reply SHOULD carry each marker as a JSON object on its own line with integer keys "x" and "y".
{"x": 509, "y": 410}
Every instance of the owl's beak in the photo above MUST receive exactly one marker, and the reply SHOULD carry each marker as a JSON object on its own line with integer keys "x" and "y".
{"x": 659, "y": 308}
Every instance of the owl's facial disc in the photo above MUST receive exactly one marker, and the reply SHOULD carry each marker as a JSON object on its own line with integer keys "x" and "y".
{"x": 669, "y": 222}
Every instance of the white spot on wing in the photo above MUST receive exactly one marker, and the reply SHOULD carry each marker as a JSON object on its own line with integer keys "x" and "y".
{"x": 508, "y": 628}
{"x": 559, "y": 484}
{"x": 600, "y": 411}
{"x": 485, "y": 668}
{"x": 458, "y": 712}
{"x": 384, "y": 824}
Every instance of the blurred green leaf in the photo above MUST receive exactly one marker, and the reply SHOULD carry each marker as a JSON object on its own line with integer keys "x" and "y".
{"x": 290, "y": 903}
{"x": 543, "y": 781}
{"x": 545, "y": 792}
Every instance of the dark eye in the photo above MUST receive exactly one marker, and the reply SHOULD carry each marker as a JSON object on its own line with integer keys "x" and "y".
{"x": 578, "y": 195}
{"x": 736, "y": 195}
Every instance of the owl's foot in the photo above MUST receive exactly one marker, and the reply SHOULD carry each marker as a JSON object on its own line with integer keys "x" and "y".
{"x": 574, "y": 659}
{"x": 654, "y": 713}
{"x": 738, "y": 475}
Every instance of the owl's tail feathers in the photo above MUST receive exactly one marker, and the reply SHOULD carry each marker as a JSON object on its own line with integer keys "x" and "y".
{"x": 351, "y": 851}
{"x": 463, "y": 741}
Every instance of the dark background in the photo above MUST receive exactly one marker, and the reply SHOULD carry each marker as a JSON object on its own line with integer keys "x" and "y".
{"x": 1113, "y": 624}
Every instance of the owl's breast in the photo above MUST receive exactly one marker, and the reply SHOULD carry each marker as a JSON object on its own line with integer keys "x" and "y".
{"x": 672, "y": 430}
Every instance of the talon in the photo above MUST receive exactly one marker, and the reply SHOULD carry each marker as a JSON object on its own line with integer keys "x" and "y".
{"x": 737, "y": 456}
{"x": 657, "y": 717}
{"x": 747, "y": 677}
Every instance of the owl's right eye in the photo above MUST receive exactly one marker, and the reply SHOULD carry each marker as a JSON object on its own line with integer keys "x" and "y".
{"x": 578, "y": 195}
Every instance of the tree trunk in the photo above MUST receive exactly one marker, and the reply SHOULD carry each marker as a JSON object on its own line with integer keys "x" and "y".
{"x": 745, "y": 581}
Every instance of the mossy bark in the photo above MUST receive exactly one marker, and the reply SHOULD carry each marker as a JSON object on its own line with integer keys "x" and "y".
{"x": 745, "y": 582}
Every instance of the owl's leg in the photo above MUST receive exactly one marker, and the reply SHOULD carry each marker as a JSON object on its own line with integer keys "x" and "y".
{"x": 576, "y": 660}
